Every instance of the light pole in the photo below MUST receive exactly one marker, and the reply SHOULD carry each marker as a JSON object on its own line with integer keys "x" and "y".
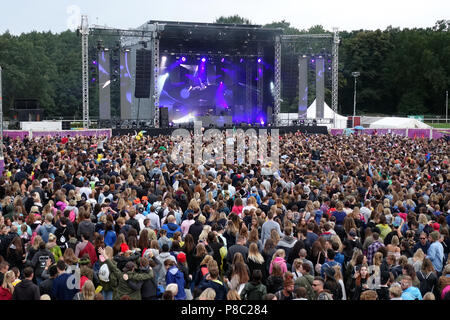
{"x": 355, "y": 75}
{"x": 446, "y": 106}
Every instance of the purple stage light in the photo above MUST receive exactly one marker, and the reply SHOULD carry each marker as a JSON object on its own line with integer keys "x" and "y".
{"x": 223, "y": 59}
{"x": 312, "y": 61}
{"x": 183, "y": 59}
{"x": 242, "y": 60}
{"x": 94, "y": 79}
{"x": 259, "y": 60}
{"x": 94, "y": 62}
{"x": 203, "y": 59}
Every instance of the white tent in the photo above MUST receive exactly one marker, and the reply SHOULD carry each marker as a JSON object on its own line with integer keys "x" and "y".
{"x": 328, "y": 114}
{"x": 398, "y": 122}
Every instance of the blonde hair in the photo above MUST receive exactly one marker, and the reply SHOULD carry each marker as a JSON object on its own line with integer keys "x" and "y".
{"x": 51, "y": 237}
{"x": 254, "y": 254}
{"x": 337, "y": 273}
{"x": 395, "y": 291}
{"x": 279, "y": 253}
{"x": 172, "y": 287}
{"x": 233, "y": 295}
{"x": 419, "y": 255}
{"x": 204, "y": 235}
{"x": 88, "y": 290}
{"x": 8, "y": 280}
{"x": 207, "y": 294}
{"x": 206, "y": 259}
{"x": 378, "y": 259}
{"x": 395, "y": 241}
{"x": 429, "y": 296}
{"x": 422, "y": 219}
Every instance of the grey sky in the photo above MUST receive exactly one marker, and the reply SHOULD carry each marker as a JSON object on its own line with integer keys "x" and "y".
{"x": 19, "y": 16}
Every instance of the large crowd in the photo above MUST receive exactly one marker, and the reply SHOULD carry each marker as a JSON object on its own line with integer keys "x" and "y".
{"x": 358, "y": 217}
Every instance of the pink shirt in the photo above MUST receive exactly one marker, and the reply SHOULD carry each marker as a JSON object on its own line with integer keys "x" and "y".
{"x": 185, "y": 226}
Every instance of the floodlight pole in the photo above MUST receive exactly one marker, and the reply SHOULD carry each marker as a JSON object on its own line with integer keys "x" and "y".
{"x": 355, "y": 75}
{"x": 446, "y": 106}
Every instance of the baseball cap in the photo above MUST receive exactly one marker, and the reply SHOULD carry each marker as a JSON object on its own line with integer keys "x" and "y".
{"x": 144, "y": 198}
{"x": 181, "y": 257}
{"x": 137, "y": 201}
{"x": 352, "y": 233}
{"x": 436, "y": 226}
{"x": 124, "y": 247}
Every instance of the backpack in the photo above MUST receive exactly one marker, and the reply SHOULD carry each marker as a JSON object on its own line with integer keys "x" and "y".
{"x": 325, "y": 296}
{"x": 103, "y": 273}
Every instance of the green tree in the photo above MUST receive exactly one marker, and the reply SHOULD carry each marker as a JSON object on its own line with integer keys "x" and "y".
{"x": 235, "y": 19}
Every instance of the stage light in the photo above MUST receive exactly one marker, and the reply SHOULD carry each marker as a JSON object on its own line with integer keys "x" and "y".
{"x": 223, "y": 60}
{"x": 259, "y": 60}
{"x": 203, "y": 59}
{"x": 183, "y": 59}
{"x": 163, "y": 62}
{"x": 242, "y": 60}
{"x": 94, "y": 62}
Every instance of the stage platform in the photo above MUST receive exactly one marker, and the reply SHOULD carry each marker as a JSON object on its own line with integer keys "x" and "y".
{"x": 282, "y": 130}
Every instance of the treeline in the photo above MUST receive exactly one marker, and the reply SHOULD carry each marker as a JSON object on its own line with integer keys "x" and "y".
{"x": 403, "y": 71}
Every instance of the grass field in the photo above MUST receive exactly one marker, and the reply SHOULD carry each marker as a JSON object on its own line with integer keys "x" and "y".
{"x": 439, "y": 125}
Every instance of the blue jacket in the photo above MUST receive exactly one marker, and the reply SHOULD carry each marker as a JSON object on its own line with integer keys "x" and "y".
{"x": 436, "y": 255}
{"x": 63, "y": 287}
{"x": 171, "y": 228}
{"x": 174, "y": 275}
{"x": 218, "y": 286}
{"x": 45, "y": 230}
{"x": 340, "y": 216}
{"x": 110, "y": 238}
{"x": 412, "y": 293}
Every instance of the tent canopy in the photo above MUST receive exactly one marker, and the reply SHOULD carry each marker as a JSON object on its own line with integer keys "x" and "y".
{"x": 398, "y": 122}
{"x": 328, "y": 113}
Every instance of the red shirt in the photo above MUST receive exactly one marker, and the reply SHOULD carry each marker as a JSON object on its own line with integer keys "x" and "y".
{"x": 5, "y": 294}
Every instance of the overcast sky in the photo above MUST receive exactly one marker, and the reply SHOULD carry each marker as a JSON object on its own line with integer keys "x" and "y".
{"x": 19, "y": 16}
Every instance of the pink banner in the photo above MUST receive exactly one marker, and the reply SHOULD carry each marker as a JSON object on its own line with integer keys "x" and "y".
{"x": 412, "y": 133}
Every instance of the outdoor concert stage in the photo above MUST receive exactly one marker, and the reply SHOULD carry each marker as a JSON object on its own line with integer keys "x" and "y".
{"x": 282, "y": 130}
{"x": 192, "y": 70}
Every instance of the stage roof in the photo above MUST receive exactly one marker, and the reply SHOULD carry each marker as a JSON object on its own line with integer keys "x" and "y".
{"x": 215, "y": 38}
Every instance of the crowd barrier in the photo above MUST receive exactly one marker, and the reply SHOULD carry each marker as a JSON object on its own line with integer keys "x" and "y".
{"x": 21, "y": 134}
{"x": 411, "y": 133}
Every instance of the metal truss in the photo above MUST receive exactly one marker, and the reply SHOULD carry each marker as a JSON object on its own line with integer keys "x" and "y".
{"x": 84, "y": 30}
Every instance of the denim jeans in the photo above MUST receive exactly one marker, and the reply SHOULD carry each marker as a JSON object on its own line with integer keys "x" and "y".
{"x": 107, "y": 295}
